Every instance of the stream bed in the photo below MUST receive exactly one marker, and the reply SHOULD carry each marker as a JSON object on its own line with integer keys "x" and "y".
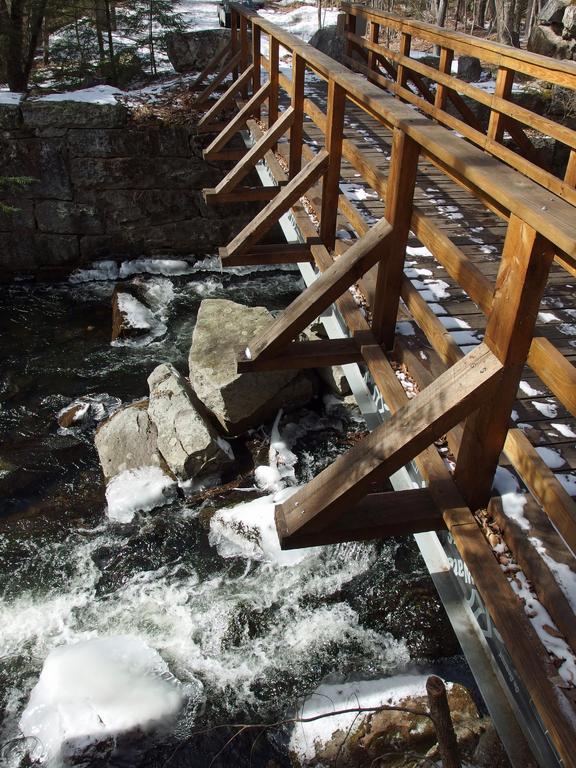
{"x": 249, "y": 637}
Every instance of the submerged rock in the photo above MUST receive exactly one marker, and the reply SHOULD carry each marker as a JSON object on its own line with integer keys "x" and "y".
{"x": 131, "y": 318}
{"x": 91, "y": 693}
{"x": 353, "y": 740}
{"x": 238, "y": 401}
{"x": 190, "y": 446}
{"x": 127, "y": 440}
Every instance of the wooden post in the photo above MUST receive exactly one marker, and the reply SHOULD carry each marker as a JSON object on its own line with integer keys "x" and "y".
{"x": 350, "y": 27}
{"x": 497, "y": 124}
{"x": 274, "y": 85}
{"x": 256, "y": 64}
{"x": 440, "y": 712}
{"x": 526, "y": 260}
{"x": 570, "y": 175}
{"x": 331, "y": 183}
{"x": 402, "y": 73}
{"x": 234, "y": 38}
{"x": 445, "y": 65}
{"x": 374, "y": 36}
{"x": 245, "y": 50}
{"x": 297, "y": 130}
{"x": 398, "y": 213}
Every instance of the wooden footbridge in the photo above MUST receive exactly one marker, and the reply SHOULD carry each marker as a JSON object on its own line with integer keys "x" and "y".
{"x": 447, "y": 242}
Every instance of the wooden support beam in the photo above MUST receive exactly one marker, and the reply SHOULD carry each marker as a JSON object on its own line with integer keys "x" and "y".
{"x": 555, "y": 371}
{"x": 503, "y": 89}
{"x": 256, "y": 62}
{"x": 227, "y": 98}
{"x": 544, "y": 485}
{"x": 377, "y": 516}
{"x": 445, "y": 66}
{"x": 525, "y": 263}
{"x": 267, "y": 253}
{"x": 274, "y": 85}
{"x": 228, "y": 155}
{"x": 237, "y": 123}
{"x": 256, "y": 152}
{"x": 211, "y": 66}
{"x": 398, "y": 212}
{"x": 322, "y": 292}
{"x": 331, "y": 182}
{"x": 244, "y": 50}
{"x": 269, "y": 216}
{"x": 373, "y": 36}
{"x": 219, "y": 79}
{"x": 458, "y": 392}
{"x": 306, "y": 354}
{"x": 297, "y": 130}
{"x": 533, "y": 564}
{"x": 240, "y": 195}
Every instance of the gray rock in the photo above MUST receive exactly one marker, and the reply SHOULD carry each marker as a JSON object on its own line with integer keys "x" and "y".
{"x": 45, "y": 114}
{"x": 223, "y": 331}
{"x": 189, "y": 445}
{"x": 553, "y": 12}
{"x": 569, "y": 21}
{"x": 469, "y": 69}
{"x": 330, "y": 41}
{"x": 10, "y": 116}
{"x": 67, "y": 217}
{"x": 544, "y": 40}
{"x": 127, "y": 440}
{"x": 191, "y": 51}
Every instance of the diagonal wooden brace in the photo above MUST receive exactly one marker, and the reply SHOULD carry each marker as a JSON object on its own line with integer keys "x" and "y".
{"x": 268, "y": 216}
{"x": 455, "y": 394}
{"x": 212, "y": 64}
{"x": 256, "y": 153}
{"x": 227, "y": 98}
{"x": 237, "y": 123}
{"x": 331, "y": 284}
{"x": 219, "y": 79}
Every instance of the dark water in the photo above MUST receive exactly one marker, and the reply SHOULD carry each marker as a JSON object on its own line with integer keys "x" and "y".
{"x": 250, "y": 637}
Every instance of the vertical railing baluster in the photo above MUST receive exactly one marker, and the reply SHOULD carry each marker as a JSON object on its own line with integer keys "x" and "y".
{"x": 403, "y": 72}
{"x": 445, "y": 65}
{"x": 257, "y": 63}
{"x": 297, "y": 130}
{"x": 497, "y": 124}
{"x": 274, "y": 84}
{"x": 331, "y": 182}
{"x": 521, "y": 280}
{"x": 398, "y": 213}
{"x": 374, "y": 35}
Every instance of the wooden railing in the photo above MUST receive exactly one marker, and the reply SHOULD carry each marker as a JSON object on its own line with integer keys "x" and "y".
{"x": 437, "y": 93}
{"x": 472, "y": 397}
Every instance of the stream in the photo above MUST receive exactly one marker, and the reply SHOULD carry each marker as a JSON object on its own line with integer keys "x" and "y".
{"x": 248, "y": 637}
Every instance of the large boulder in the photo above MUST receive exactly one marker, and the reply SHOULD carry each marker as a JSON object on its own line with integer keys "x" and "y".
{"x": 554, "y": 34}
{"x": 238, "y": 401}
{"x": 127, "y": 440}
{"x": 191, "y": 51}
{"x": 189, "y": 445}
{"x": 330, "y": 41}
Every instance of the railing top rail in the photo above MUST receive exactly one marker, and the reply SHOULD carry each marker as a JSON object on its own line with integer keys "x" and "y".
{"x": 555, "y": 70}
{"x": 550, "y": 215}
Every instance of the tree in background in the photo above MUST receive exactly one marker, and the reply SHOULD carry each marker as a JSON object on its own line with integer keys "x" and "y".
{"x": 21, "y": 24}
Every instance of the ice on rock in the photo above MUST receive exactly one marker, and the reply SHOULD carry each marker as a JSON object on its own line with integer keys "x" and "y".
{"x": 249, "y": 530}
{"x": 281, "y": 462}
{"x": 138, "y": 490}
{"x": 97, "y": 689}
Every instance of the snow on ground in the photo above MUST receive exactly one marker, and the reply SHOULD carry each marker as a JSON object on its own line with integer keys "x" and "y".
{"x": 138, "y": 490}
{"x": 301, "y": 21}
{"x": 10, "y": 98}
{"x": 331, "y": 697}
{"x": 99, "y": 94}
{"x": 97, "y": 689}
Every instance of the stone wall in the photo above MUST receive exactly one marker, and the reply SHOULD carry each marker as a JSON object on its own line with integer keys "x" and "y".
{"x": 104, "y": 187}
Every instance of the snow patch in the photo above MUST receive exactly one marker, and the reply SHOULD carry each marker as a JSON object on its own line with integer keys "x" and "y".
{"x": 551, "y": 458}
{"x": 564, "y": 429}
{"x": 169, "y": 267}
{"x": 249, "y": 530}
{"x": 97, "y": 689}
{"x": 138, "y": 490}
{"x": 99, "y": 94}
{"x": 100, "y": 270}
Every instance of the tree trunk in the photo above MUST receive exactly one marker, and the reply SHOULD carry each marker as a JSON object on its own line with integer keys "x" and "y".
{"x": 505, "y": 22}
{"x": 100, "y": 16}
{"x": 151, "y": 42}
{"x": 480, "y": 19}
{"x": 45, "y": 44}
{"x": 113, "y": 69}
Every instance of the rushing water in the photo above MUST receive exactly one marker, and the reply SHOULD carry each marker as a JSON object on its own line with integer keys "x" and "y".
{"x": 252, "y": 638}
